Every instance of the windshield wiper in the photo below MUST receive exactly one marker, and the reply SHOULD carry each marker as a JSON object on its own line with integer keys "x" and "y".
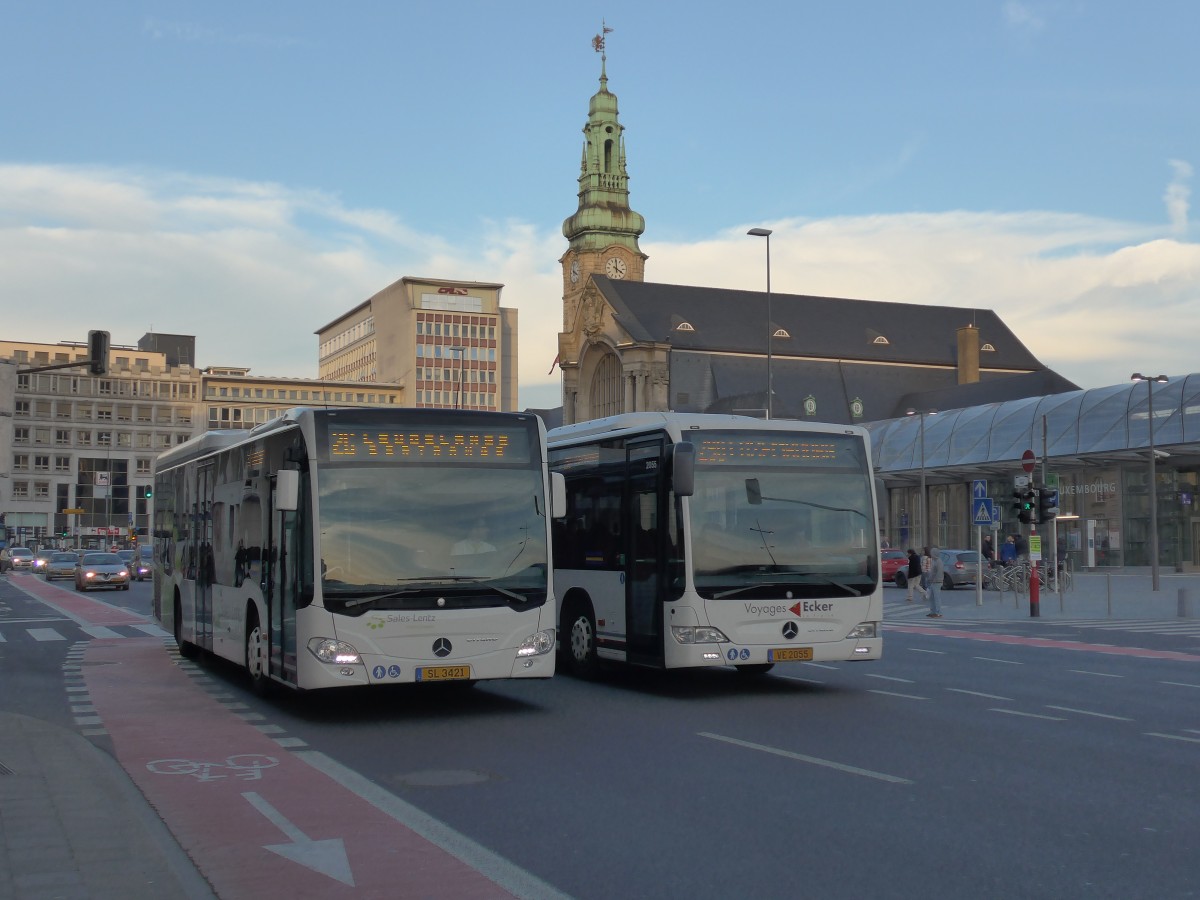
{"x": 749, "y": 587}
{"x": 800, "y": 579}
{"x": 426, "y": 583}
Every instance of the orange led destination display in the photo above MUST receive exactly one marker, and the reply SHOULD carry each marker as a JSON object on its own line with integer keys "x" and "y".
{"x": 373, "y": 444}
{"x": 742, "y": 449}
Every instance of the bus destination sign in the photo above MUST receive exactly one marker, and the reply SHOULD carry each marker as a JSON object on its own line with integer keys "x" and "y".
{"x": 766, "y": 449}
{"x": 365, "y": 443}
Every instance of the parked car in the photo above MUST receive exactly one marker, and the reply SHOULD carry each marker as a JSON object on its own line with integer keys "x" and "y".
{"x": 891, "y": 562}
{"x": 101, "y": 570}
{"x": 143, "y": 562}
{"x": 959, "y": 567}
{"x": 16, "y": 558}
{"x": 60, "y": 565}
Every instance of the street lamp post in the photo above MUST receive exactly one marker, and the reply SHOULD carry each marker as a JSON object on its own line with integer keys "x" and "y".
{"x": 458, "y": 390}
{"x": 1150, "y": 380}
{"x": 766, "y": 233}
{"x": 921, "y": 508}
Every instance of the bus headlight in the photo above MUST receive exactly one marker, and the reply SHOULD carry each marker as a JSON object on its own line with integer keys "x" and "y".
{"x": 864, "y": 630}
{"x": 697, "y": 634}
{"x": 338, "y": 653}
{"x": 538, "y": 643}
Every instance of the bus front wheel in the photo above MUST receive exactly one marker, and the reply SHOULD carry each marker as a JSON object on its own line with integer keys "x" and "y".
{"x": 579, "y": 644}
{"x": 256, "y": 654}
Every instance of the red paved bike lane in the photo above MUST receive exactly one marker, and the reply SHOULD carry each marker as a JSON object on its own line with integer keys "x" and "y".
{"x": 1140, "y": 652}
{"x": 81, "y": 607}
{"x": 281, "y": 830}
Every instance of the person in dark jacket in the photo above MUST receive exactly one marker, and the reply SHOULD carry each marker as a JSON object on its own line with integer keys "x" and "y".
{"x": 914, "y": 575}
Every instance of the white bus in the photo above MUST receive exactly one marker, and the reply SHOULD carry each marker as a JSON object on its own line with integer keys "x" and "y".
{"x": 336, "y": 547}
{"x": 710, "y": 540}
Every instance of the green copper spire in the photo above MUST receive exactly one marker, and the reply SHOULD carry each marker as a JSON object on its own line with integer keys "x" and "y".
{"x": 604, "y": 217}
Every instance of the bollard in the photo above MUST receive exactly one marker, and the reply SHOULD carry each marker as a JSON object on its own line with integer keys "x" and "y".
{"x": 1184, "y": 604}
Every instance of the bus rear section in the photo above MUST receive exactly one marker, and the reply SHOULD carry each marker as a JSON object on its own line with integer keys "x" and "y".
{"x": 695, "y": 540}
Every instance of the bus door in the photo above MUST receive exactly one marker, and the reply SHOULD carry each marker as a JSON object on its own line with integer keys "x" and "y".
{"x": 645, "y": 550}
{"x": 282, "y": 586}
{"x": 202, "y": 554}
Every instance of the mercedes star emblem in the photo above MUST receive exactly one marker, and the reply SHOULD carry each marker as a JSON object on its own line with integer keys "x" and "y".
{"x": 441, "y": 647}
{"x": 790, "y": 630}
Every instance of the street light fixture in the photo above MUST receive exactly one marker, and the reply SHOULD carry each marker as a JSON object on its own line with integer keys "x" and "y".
{"x": 458, "y": 390}
{"x": 766, "y": 233}
{"x": 1150, "y": 380}
{"x": 922, "y": 506}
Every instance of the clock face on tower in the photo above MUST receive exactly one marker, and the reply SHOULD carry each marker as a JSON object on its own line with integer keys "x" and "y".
{"x": 574, "y": 270}
{"x": 615, "y": 267}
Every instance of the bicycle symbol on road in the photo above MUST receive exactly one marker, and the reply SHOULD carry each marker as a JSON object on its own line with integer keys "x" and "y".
{"x": 248, "y": 766}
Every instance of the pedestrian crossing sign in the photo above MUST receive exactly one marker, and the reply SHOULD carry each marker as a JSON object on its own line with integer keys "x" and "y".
{"x": 982, "y": 512}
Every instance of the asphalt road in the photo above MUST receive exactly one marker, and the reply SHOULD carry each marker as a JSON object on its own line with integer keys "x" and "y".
{"x": 1009, "y": 760}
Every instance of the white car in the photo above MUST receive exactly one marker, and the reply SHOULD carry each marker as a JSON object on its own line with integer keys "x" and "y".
{"x": 16, "y": 558}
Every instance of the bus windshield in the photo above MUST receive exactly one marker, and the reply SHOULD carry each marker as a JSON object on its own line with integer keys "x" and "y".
{"x": 774, "y": 511}
{"x": 396, "y": 537}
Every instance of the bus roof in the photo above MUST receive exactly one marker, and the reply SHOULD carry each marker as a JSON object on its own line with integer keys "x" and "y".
{"x": 677, "y": 423}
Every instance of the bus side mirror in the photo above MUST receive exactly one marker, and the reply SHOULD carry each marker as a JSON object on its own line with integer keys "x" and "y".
{"x": 287, "y": 490}
{"x": 753, "y": 492}
{"x": 558, "y": 495}
{"x": 683, "y": 469}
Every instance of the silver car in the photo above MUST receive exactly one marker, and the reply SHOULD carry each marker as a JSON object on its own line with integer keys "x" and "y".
{"x": 959, "y": 567}
{"x": 101, "y": 570}
{"x": 59, "y": 565}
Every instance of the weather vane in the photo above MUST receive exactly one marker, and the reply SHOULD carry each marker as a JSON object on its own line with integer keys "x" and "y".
{"x": 598, "y": 40}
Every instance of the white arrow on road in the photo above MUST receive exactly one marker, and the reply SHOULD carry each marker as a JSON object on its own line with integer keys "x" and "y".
{"x": 327, "y": 857}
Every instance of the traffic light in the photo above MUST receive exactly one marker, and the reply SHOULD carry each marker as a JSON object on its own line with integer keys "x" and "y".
{"x": 149, "y": 492}
{"x": 1047, "y": 504}
{"x": 1027, "y": 506}
{"x": 98, "y": 352}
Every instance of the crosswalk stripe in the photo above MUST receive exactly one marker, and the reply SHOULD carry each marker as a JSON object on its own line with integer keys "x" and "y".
{"x": 99, "y": 631}
{"x": 45, "y": 634}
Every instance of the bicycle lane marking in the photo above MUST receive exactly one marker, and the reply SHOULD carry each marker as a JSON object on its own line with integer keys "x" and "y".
{"x": 244, "y": 846}
{"x": 82, "y": 609}
{"x": 1139, "y": 652}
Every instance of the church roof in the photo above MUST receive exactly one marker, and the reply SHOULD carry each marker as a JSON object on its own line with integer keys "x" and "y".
{"x": 832, "y": 328}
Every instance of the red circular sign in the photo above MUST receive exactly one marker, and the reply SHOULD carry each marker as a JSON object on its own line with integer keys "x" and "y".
{"x": 1027, "y": 461}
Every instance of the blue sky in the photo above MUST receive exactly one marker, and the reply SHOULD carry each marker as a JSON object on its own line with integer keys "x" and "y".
{"x": 245, "y": 172}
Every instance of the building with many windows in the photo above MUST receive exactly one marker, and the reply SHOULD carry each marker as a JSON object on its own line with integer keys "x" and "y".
{"x": 75, "y": 441}
{"x": 70, "y": 440}
{"x": 442, "y": 343}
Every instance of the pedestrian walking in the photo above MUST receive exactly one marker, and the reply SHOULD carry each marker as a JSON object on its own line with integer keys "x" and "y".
{"x": 1008, "y": 551}
{"x": 914, "y": 574}
{"x": 934, "y": 573}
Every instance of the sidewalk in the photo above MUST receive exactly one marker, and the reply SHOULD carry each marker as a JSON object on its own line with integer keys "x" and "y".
{"x": 1092, "y": 596}
{"x": 72, "y": 825}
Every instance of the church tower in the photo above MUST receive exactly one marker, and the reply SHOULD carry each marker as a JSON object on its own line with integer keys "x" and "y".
{"x": 602, "y": 239}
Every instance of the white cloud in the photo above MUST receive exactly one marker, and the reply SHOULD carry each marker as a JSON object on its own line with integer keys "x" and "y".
{"x": 1178, "y": 195}
{"x": 254, "y": 269}
{"x": 1022, "y": 17}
